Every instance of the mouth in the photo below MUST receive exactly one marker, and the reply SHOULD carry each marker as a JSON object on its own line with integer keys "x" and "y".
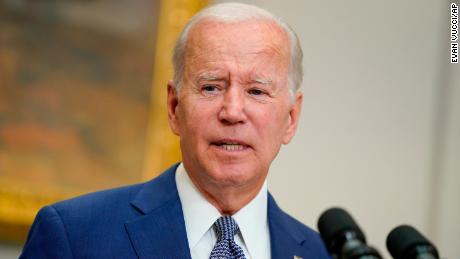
{"x": 230, "y": 145}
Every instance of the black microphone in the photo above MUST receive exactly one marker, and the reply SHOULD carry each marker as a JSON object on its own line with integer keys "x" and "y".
{"x": 342, "y": 236}
{"x": 405, "y": 242}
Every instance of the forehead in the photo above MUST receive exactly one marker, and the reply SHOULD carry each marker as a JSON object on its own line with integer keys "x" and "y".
{"x": 210, "y": 39}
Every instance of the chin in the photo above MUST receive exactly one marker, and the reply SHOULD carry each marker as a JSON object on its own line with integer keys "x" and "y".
{"x": 233, "y": 174}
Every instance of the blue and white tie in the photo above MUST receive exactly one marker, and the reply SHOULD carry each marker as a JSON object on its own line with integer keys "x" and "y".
{"x": 226, "y": 248}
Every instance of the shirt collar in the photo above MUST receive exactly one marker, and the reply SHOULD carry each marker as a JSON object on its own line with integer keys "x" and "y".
{"x": 252, "y": 221}
{"x": 200, "y": 215}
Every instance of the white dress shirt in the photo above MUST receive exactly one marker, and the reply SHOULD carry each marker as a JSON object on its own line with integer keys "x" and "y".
{"x": 200, "y": 215}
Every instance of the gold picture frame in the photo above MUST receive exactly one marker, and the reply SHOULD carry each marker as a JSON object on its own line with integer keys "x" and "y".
{"x": 19, "y": 205}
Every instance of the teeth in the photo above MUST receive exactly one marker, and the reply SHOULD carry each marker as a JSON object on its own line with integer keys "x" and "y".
{"x": 232, "y": 147}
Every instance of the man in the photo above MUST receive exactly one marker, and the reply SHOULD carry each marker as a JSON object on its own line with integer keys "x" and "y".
{"x": 233, "y": 102}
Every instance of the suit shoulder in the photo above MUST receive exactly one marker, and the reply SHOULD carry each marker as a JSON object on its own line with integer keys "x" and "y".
{"x": 312, "y": 239}
{"x": 303, "y": 229}
{"x": 289, "y": 223}
{"x": 284, "y": 225}
{"x": 100, "y": 200}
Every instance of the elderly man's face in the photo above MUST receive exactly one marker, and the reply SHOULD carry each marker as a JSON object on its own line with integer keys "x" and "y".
{"x": 233, "y": 110}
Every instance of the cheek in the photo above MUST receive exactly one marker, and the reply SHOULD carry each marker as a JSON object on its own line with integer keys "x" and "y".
{"x": 271, "y": 126}
{"x": 194, "y": 117}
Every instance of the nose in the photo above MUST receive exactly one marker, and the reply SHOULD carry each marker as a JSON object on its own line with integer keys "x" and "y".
{"x": 233, "y": 107}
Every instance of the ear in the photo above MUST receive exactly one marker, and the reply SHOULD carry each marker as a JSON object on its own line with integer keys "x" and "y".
{"x": 294, "y": 115}
{"x": 173, "y": 102}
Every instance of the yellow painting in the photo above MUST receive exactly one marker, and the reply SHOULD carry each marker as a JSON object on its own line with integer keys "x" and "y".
{"x": 78, "y": 109}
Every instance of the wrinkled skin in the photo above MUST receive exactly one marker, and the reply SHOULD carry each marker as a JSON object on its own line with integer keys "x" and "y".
{"x": 233, "y": 111}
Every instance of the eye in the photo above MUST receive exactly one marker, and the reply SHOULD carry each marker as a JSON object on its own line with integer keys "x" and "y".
{"x": 209, "y": 88}
{"x": 256, "y": 91}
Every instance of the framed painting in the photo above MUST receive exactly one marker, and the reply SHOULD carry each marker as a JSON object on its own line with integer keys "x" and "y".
{"x": 82, "y": 99}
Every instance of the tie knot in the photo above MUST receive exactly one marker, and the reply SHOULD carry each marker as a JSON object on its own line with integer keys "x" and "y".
{"x": 226, "y": 228}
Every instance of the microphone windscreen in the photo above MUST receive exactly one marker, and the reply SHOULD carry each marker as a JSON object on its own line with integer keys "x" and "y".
{"x": 334, "y": 222}
{"x": 403, "y": 239}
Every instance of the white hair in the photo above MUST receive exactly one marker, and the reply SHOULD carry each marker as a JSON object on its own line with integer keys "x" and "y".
{"x": 237, "y": 12}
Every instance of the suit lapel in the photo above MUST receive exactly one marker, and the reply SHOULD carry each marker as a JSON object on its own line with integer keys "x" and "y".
{"x": 285, "y": 239}
{"x": 160, "y": 231}
{"x": 160, "y": 235}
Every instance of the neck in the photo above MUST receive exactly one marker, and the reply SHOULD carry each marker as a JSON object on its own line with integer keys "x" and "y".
{"x": 227, "y": 199}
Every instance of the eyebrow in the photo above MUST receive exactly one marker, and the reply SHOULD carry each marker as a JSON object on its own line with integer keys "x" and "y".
{"x": 214, "y": 77}
{"x": 263, "y": 81}
{"x": 209, "y": 77}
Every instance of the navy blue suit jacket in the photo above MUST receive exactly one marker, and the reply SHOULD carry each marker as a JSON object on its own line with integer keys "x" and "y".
{"x": 144, "y": 221}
